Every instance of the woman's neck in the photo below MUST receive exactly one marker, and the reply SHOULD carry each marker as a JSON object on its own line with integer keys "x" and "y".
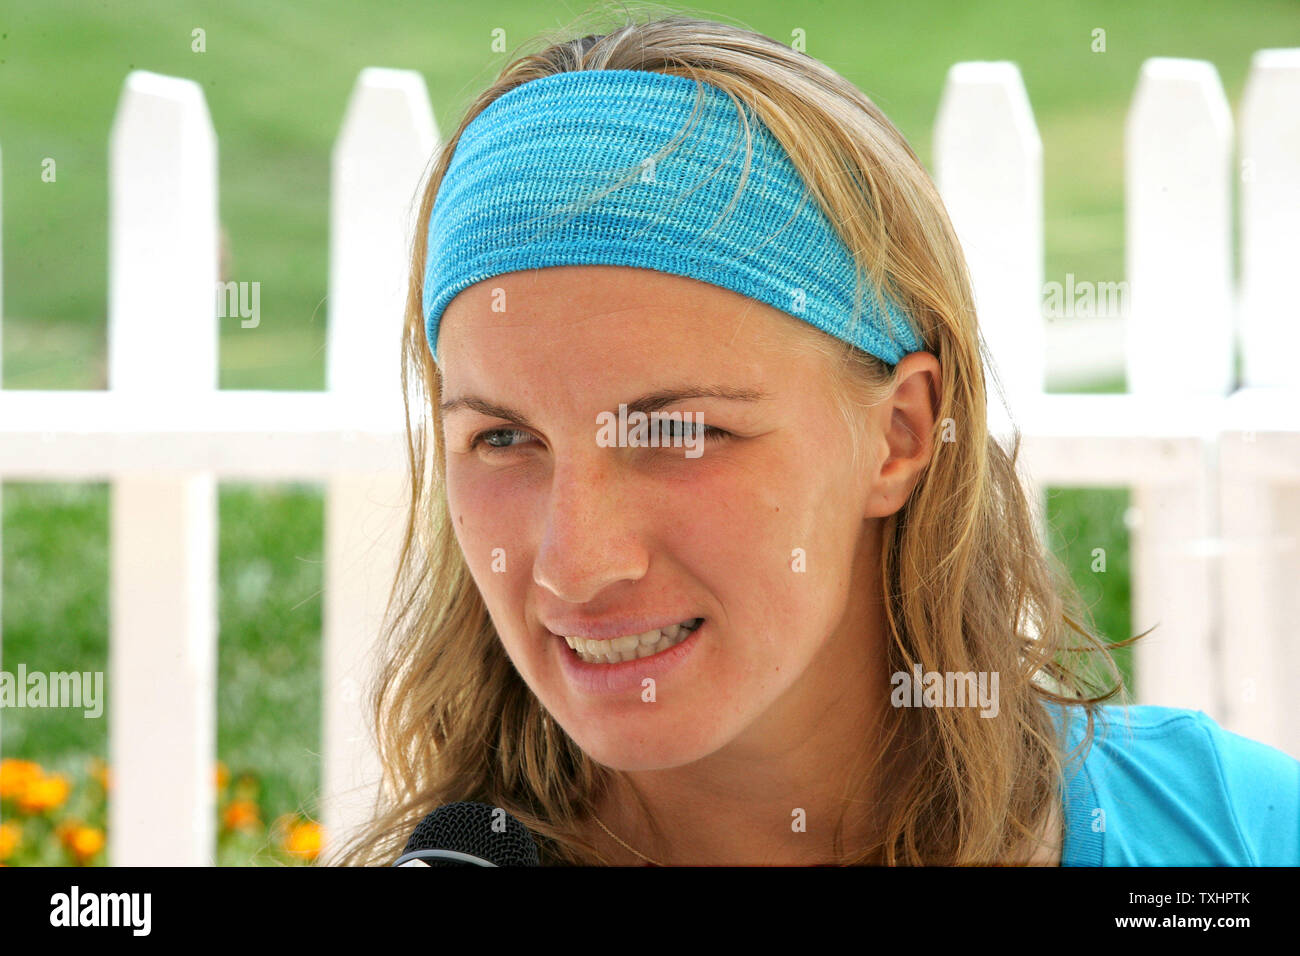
{"x": 733, "y": 810}
{"x": 745, "y": 805}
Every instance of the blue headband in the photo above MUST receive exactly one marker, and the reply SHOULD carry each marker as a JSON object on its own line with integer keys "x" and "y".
{"x": 519, "y": 193}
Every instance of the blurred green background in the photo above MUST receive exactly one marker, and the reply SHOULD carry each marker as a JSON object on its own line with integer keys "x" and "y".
{"x": 277, "y": 78}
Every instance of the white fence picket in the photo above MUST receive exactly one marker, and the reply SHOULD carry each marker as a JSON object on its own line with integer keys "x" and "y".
{"x": 988, "y": 161}
{"x": 162, "y": 347}
{"x": 1270, "y": 219}
{"x": 388, "y": 136}
{"x": 1260, "y": 467}
{"x": 1178, "y": 149}
{"x": 1178, "y": 146}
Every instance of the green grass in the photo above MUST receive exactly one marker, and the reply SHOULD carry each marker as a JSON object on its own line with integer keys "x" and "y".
{"x": 1080, "y": 521}
{"x": 269, "y": 659}
{"x": 55, "y": 611}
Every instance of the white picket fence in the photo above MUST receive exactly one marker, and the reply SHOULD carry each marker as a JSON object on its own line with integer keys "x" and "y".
{"x": 1215, "y": 473}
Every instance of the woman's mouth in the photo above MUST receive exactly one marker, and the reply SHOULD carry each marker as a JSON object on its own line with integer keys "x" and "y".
{"x": 631, "y": 647}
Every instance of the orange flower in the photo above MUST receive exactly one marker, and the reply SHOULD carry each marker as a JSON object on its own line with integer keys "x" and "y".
{"x": 65, "y": 830}
{"x": 11, "y": 834}
{"x": 241, "y": 815}
{"x": 99, "y": 770}
{"x": 305, "y": 840}
{"x": 43, "y": 794}
{"x": 223, "y": 775}
{"x": 15, "y": 775}
{"x": 86, "y": 842}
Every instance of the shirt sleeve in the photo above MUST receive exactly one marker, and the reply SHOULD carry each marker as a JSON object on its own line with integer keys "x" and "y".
{"x": 1164, "y": 786}
{"x": 1262, "y": 786}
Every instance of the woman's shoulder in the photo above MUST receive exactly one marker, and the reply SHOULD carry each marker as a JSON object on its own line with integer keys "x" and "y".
{"x": 1167, "y": 786}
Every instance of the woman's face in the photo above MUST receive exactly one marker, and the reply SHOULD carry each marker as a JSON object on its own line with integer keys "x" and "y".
{"x": 765, "y": 532}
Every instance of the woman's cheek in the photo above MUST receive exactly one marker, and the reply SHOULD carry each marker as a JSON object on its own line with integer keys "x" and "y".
{"x": 736, "y": 503}
{"x": 479, "y": 517}
{"x": 735, "y": 538}
{"x": 779, "y": 543}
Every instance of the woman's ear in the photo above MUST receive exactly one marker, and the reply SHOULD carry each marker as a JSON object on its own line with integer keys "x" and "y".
{"x": 902, "y": 433}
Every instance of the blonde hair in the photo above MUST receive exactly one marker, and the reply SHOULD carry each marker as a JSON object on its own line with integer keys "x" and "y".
{"x": 967, "y": 584}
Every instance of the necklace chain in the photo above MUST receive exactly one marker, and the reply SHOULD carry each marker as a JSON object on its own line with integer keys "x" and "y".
{"x": 624, "y": 845}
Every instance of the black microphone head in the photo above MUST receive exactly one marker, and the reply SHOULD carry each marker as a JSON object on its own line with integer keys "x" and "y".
{"x": 476, "y": 830}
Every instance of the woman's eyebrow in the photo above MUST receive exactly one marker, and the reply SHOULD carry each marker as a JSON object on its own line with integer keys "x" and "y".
{"x": 651, "y": 402}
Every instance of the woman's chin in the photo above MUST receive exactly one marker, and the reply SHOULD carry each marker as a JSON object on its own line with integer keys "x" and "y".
{"x": 632, "y": 752}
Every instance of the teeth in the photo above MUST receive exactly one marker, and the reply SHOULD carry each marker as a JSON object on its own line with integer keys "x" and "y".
{"x": 631, "y": 647}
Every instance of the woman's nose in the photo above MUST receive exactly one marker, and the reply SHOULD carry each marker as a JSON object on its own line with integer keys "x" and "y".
{"x": 590, "y": 533}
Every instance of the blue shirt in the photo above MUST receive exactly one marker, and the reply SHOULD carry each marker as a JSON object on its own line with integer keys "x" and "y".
{"x": 1170, "y": 787}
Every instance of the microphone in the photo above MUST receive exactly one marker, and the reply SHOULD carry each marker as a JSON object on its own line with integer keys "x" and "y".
{"x": 469, "y": 834}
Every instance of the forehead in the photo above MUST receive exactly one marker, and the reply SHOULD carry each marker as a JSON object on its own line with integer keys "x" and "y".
{"x": 605, "y": 306}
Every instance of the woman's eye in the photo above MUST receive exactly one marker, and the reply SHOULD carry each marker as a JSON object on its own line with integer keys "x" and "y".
{"x": 688, "y": 431}
{"x": 493, "y": 438}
